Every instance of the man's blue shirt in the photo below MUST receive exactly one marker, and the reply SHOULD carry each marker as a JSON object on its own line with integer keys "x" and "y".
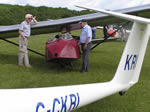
{"x": 86, "y": 33}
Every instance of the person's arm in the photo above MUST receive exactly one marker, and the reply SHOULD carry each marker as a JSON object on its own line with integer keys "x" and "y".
{"x": 22, "y": 35}
{"x": 89, "y": 35}
{"x": 86, "y": 42}
{"x": 34, "y": 20}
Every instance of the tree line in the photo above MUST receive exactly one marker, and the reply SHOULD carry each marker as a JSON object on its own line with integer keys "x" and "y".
{"x": 14, "y": 14}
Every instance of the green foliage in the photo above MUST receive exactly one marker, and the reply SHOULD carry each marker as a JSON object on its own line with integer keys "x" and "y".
{"x": 14, "y": 14}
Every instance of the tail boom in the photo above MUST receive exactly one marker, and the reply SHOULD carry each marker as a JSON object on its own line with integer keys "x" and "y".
{"x": 55, "y": 99}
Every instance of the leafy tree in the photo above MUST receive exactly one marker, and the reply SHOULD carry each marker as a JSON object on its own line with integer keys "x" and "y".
{"x": 14, "y": 14}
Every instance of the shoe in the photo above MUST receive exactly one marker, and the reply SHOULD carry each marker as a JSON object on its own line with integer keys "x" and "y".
{"x": 28, "y": 66}
{"x": 82, "y": 71}
{"x": 20, "y": 65}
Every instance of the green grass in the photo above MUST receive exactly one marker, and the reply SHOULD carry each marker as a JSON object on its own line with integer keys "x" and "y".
{"x": 103, "y": 64}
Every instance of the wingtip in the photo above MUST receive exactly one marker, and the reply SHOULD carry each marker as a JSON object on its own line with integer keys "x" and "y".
{"x": 79, "y": 6}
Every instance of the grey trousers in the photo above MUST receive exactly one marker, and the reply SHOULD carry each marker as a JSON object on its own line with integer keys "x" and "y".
{"x": 85, "y": 57}
{"x": 23, "y": 52}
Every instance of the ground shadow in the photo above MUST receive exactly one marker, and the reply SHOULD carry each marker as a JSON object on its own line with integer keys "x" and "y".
{"x": 8, "y": 59}
{"x": 39, "y": 63}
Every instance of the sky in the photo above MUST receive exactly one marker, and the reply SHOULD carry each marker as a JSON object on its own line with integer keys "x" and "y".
{"x": 103, "y": 4}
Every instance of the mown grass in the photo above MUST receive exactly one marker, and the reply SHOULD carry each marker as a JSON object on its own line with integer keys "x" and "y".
{"x": 103, "y": 64}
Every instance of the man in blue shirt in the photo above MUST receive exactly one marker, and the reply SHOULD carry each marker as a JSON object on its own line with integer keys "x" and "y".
{"x": 85, "y": 41}
{"x": 94, "y": 32}
{"x": 24, "y": 33}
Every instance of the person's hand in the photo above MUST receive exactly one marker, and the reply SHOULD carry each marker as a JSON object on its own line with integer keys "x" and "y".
{"x": 85, "y": 46}
{"x": 24, "y": 38}
{"x": 34, "y": 20}
{"x": 34, "y": 17}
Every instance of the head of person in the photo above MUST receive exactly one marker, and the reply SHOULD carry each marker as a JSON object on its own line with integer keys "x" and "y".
{"x": 83, "y": 22}
{"x": 64, "y": 30}
{"x": 28, "y": 17}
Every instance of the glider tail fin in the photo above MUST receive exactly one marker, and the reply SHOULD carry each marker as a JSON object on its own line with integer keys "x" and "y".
{"x": 131, "y": 61}
{"x": 132, "y": 58}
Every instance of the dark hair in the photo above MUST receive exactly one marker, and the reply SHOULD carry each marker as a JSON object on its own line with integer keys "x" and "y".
{"x": 67, "y": 28}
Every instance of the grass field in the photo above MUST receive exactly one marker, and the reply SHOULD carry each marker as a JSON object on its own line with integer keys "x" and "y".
{"x": 103, "y": 64}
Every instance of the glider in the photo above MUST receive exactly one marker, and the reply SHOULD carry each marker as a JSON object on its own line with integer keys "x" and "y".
{"x": 67, "y": 98}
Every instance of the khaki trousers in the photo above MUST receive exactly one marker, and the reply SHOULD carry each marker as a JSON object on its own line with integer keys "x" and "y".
{"x": 23, "y": 52}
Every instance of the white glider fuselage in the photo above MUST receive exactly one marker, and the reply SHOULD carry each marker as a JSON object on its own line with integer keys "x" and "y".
{"x": 55, "y": 99}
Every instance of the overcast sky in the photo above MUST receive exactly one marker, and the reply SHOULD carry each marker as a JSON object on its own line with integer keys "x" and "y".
{"x": 104, "y": 4}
